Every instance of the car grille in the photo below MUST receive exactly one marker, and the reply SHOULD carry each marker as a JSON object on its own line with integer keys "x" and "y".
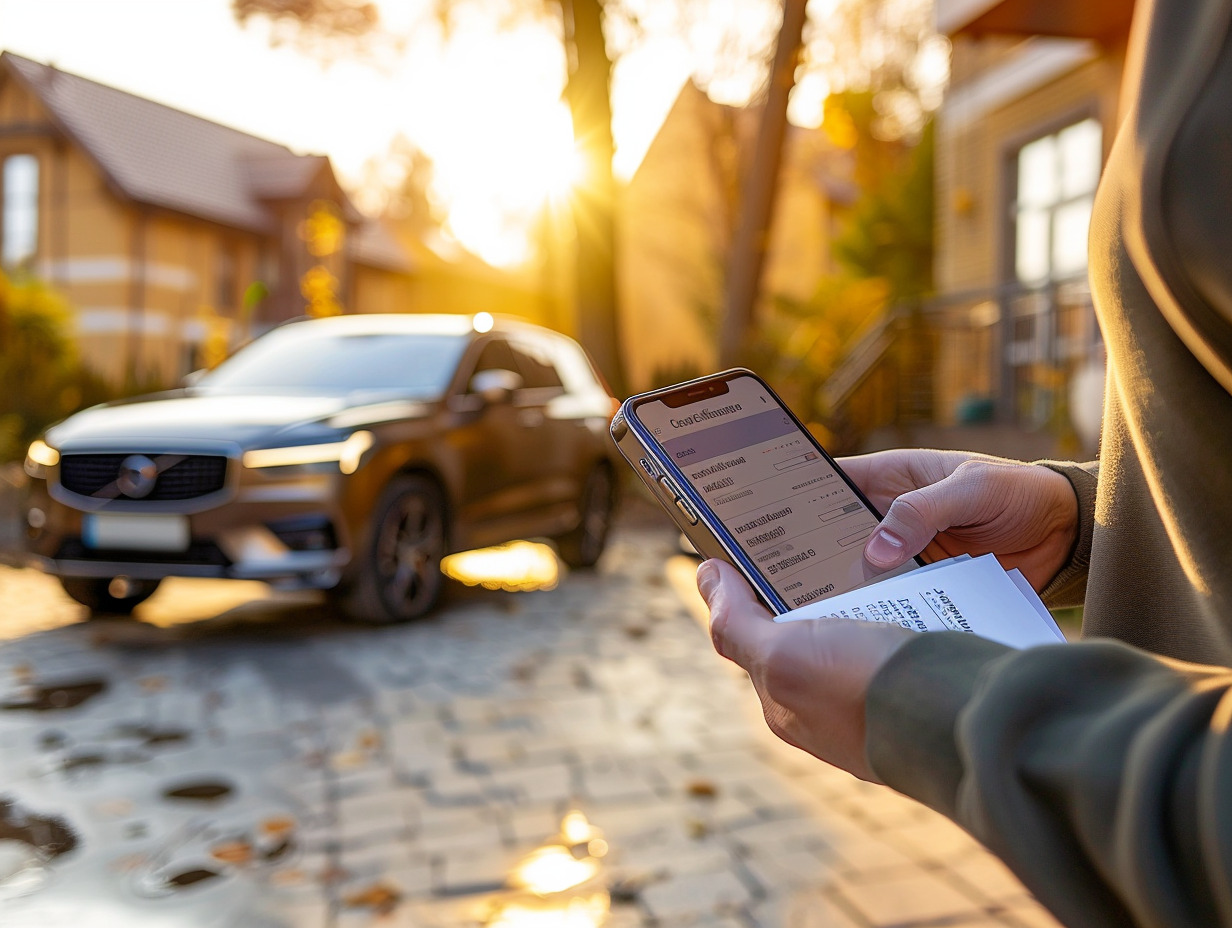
{"x": 193, "y": 476}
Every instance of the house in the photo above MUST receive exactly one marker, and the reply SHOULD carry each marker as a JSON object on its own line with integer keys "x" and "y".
{"x": 1022, "y": 136}
{"x": 677, "y": 216}
{"x": 174, "y": 237}
{"x": 1010, "y": 339}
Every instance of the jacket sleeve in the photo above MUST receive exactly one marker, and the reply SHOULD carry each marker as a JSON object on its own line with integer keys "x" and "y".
{"x": 1069, "y": 586}
{"x": 1112, "y": 801}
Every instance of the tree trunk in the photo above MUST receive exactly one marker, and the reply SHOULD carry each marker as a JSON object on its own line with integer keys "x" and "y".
{"x": 588, "y": 93}
{"x": 760, "y": 186}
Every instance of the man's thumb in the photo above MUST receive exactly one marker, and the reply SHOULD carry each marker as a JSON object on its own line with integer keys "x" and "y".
{"x": 910, "y": 524}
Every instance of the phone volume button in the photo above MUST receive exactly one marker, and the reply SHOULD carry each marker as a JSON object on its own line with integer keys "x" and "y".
{"x": 648, "y": 468}
{"x": 687, "y": 510}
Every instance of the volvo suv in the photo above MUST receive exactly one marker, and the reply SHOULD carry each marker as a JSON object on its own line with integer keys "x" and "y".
{"x": 347, "y": 454}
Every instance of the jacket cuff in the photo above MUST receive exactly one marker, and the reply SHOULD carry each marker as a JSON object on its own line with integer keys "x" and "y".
{"x": 912, "y": 709}
{"x": 1069, "y": 586}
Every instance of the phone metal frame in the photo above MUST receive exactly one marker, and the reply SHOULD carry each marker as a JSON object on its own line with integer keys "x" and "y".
{"x": 707, "y": 534}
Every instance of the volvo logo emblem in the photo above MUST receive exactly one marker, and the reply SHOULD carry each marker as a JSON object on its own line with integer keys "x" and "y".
{"x": 138, "y": 474}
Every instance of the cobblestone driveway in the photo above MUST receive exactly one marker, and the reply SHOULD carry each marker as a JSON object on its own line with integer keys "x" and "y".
{"x": 268, "y": 766}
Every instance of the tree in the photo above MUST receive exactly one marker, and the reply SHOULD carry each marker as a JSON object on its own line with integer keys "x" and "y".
{"x": 326, "y": 24}
{"x": 890, "y": 235}
{"x": 760, "y": 184}
{"x": 42, "y": 379}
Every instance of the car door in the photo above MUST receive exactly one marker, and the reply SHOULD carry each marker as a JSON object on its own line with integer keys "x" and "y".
{"x": 492, "y": 444}
{"x": 552, "y": 486}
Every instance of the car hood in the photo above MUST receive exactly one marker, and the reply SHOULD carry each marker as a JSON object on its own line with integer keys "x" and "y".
{"x": 248, "y": 421}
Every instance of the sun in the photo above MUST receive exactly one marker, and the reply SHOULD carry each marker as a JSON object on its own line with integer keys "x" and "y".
{"x": 500, "y": 137}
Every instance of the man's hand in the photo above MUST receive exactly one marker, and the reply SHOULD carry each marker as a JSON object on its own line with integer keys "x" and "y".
{"x": 954, "y": 502}
{"x": 812, "y": 675}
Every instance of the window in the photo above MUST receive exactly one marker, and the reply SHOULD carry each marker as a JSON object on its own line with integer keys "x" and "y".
{"x": 1057, "y": 176}
{"x": 535, "y": 363}
{"x": 20, "y": 204}
{"x": 496, "y": 356}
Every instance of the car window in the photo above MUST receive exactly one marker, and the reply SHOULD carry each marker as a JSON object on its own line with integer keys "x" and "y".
{"x": 536, "y": 367}
{"x": 299, "y": 360}
{"x": 575, "y": 368}
{"x": 496, "y": 356}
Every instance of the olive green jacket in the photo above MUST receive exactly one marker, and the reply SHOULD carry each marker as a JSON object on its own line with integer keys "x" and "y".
{"x": 1101, "y": 771}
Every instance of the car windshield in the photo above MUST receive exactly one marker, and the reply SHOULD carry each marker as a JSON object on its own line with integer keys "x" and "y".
{"x": 297, "y": 360}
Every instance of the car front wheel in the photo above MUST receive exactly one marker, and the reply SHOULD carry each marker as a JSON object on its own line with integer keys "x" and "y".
{"x": 400, "y": 576}
{"x": 103, "y": 596}
{"x": 583, "y": 546}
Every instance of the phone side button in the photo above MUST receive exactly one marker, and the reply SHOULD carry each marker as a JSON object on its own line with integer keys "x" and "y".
{"x": 648, "y": 468}
{"x": 687, "y": 510}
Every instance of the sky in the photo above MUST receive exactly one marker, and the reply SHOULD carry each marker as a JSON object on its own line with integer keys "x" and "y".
{"x": 484, "y": 110}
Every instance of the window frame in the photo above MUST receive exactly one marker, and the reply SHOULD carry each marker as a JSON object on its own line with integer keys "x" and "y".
{"x": 32, "y": 255}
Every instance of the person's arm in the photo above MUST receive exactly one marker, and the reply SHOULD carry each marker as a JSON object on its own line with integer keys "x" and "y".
{"x": 1100, "y": 774}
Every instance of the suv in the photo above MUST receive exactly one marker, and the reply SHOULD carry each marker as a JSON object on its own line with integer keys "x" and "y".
{"x": 347, "y": 454}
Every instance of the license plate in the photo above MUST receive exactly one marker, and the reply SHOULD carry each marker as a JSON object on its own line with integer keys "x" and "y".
{"x": 129, "y": 532}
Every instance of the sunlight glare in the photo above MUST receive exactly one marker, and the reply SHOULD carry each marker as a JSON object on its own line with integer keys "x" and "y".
{"x": 520, "y": 566}
{"x": 588, "y": 911}
{"x": 500, "y": 138}
{"x": 553, "y": 869}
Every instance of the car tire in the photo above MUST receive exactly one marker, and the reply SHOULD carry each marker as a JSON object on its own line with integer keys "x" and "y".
{"x": 95, "y": 594}
{"x": 583, "y": 546}
{"x": 399, "y": 578}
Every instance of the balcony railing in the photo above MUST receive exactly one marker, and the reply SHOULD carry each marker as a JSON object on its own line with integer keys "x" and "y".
{"x": 1005, "y": 354}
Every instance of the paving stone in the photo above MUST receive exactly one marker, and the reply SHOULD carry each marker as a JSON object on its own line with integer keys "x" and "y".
{"x": 789, "y": 868}
{"x": 989, "y": 877}
{"x": 696, "y": 895}
{"x": 1029, "y": 914}
{"x": 534, "y": 784}
{"x": 934, "y": 838}
{"x": 477, "y": 837}
{"x": 907, "y": 896}
{"x": 523, "y": 825}
{"x": 811, "y": 908}
{"x": 476, "y": 870}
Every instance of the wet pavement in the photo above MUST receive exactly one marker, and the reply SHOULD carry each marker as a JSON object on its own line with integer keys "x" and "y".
{"x": 574, "y": 757}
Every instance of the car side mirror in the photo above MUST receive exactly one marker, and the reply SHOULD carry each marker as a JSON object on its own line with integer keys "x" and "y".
{"x": 495, "y": 386}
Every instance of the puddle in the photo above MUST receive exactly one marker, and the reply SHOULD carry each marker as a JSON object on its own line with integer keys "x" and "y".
{"x": 203, "y": 791}
{"x": 191, "y": 877}
{"x": 56, "y": 697}
{"x": 207, "y": 850}
{"x": 154, "y": 737}
{"x": 171, "y": 879}
{"x": 49, "y": 835}
{"x": 27, "y": 844}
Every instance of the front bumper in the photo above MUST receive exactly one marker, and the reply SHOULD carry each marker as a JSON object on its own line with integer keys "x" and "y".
{"x": 286, "y": 529}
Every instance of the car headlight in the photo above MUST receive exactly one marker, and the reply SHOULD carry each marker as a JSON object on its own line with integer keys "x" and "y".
{"x": 346, "y": 454}
{"x": 39, "y": 457}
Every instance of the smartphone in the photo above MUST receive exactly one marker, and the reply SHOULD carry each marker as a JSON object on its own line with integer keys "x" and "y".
{"x": 745, "y": 481}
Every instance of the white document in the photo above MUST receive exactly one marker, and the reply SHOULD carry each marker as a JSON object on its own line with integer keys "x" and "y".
{"x": 967, "y": 594}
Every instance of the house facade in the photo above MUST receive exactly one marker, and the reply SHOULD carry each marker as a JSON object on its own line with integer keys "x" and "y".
{"x": 677, "y": 217}
{"x": 1027, "y": 122}
{"x": 172, "y": 237}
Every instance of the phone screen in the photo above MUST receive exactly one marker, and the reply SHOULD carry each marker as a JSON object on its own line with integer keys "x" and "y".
{"x": 780, "y": 498}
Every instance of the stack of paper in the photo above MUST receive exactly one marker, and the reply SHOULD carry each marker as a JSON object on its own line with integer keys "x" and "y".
{"x": 963, "y": 594}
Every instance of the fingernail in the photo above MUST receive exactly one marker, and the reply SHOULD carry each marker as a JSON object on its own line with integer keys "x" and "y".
{"x": 884, "y": 548}
{"x": 707, "y": 580}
